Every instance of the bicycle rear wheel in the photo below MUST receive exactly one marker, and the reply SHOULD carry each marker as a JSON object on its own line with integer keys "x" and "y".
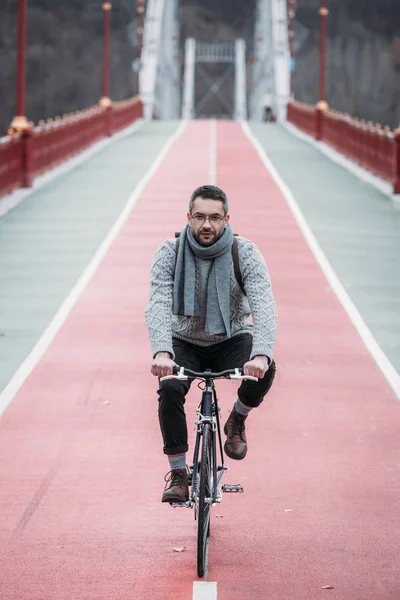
{"x": 204, "y": 500}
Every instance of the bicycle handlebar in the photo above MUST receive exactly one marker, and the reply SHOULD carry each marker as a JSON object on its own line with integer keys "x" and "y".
{"x": 184, "y": 374}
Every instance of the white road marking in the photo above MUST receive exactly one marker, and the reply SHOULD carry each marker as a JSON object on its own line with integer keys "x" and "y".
{"x": 204, "y": 590}
{"x": 18, "y": 195}
{"x": 41, "y": 346}
{"x": 213, "y": 154}
{"x": 379, "y": 356}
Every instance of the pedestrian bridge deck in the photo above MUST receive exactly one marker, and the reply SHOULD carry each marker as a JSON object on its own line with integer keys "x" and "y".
{"x": 80, "y": 454}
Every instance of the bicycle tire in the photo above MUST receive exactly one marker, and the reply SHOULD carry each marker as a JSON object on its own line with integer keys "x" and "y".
{"x": 204, "y": 501}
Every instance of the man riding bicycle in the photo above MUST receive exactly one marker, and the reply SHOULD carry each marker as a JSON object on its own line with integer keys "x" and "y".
{"x": 197, "y": 317}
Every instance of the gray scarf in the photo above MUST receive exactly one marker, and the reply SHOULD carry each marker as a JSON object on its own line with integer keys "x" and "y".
{"x": 218, "y": 285}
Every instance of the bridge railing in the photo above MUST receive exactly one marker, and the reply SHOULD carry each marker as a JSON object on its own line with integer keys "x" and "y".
{"x": 125, "y": 112}
{"x": 302, "y": 116}
{"x": 374, "y": 148}
{"x": 10, "y": 164}
{"x": 26, "y": 155}
{"x": 61, "y": 138}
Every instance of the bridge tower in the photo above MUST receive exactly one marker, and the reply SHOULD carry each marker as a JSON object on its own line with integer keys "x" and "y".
{"x": 266, "y": 83}
{"x": 159, "y": 70}
{"x": 270, "y": 81}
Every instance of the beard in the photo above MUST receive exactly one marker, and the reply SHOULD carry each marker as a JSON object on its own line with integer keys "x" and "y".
{"x": 210, "y": 239}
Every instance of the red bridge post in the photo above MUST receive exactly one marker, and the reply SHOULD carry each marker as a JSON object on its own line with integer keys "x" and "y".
{"x": 105, "y": 101}
{"x": 322, "y": 105}
{"x": 20, "y": 124}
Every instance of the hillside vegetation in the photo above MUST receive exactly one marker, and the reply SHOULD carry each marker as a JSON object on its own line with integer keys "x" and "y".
{"x": 64, "y": 53}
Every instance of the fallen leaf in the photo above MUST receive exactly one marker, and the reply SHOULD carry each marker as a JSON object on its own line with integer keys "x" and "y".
{"x": 219, "y": 516}
{"x": 179, "y": 549}
{"x": 327, "y": 587}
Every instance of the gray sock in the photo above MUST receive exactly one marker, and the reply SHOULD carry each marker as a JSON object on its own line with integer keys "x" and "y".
{"x": 241, "y": 408}
{"x": 177, "y": 461}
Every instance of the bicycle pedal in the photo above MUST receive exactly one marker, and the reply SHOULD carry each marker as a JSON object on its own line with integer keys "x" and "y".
{"x": 187, "y": 504}
{"x": 234, "y": 488}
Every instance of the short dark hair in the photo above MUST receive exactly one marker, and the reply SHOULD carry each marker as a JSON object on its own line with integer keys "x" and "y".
{"x": 209, "y": 192}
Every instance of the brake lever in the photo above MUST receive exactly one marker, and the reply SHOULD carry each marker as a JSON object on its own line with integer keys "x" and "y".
{"x": 239, "y": 376}
{"x": 180, "y": 376}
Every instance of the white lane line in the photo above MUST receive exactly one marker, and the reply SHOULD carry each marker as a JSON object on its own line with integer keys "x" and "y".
{"x": 213, "y": 154}
{"x": 379, "y": 356}
{"x": 204, "y": 590}
{"x": 18, "y": 195}
{"x": 41, "y": 346}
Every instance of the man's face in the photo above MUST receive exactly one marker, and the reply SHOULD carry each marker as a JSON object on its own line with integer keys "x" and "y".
{"x": 207, "y": 230}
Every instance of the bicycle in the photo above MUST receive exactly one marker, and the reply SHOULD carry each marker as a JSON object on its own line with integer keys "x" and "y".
{"x": 205, "y": 474}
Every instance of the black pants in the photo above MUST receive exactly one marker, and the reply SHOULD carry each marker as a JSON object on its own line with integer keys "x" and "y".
{"x": 232, "y": 353}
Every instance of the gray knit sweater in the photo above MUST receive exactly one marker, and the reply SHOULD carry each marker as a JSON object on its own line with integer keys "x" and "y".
{"x": 258, "y": 302}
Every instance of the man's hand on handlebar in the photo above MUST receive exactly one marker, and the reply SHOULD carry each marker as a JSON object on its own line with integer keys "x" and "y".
{"x": 184, "y": 374}
{"x": 256, "y": 367}
{"x": 162, "y": 364}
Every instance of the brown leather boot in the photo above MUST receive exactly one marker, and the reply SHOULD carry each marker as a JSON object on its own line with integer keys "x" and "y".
{"x": 176, "y": 486}
{"x": 236, "y": 443}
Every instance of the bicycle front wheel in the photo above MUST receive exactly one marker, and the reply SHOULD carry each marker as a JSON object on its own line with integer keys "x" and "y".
{"x": 204, "y": 500}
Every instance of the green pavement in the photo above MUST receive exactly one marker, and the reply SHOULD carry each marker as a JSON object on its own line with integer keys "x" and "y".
{"x": 48, "y": 239}
{"x": 356, "y": 226}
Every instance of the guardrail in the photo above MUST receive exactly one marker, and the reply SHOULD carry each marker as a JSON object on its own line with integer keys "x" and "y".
{"x": 30, "y": 153}
{"x": 10, "y": 164}
{"x": 125, "y": 112}
{"x": 372, "y": 147}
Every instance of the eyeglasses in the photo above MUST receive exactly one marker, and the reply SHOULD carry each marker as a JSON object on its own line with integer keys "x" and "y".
{"x": 200, "y": 219}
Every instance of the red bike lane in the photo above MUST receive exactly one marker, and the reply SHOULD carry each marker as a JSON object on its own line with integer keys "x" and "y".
{"x": 80, "y": 451}
{"x": 321, "y": 503}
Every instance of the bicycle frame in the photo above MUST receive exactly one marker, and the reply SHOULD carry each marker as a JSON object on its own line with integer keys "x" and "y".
{"x": 208, "y": 412}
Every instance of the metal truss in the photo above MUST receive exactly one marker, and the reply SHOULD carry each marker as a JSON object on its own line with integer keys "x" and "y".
{"x": 231, "y": 54}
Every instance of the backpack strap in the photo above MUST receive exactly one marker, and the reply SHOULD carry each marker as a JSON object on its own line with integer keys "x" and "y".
{"x": 236, "y": 267}
{"x": 235, "y": 258}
